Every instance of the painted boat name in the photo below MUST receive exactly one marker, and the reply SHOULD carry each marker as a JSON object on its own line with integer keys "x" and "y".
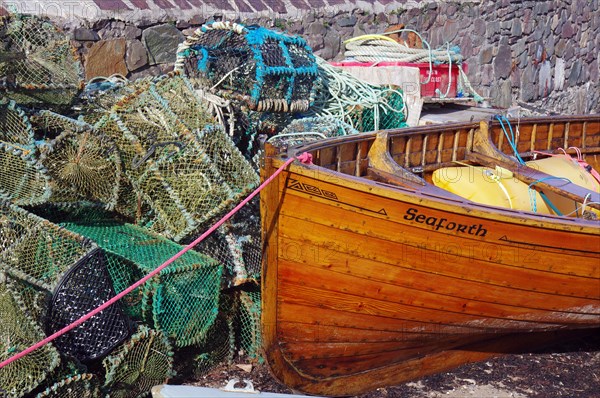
{"x": 437, "y": 223}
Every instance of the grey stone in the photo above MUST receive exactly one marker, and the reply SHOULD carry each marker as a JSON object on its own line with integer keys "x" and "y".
{"x": 559, "y": 74}
{"x": 479, "y": 27}
{"x": 528, "y": 21}
{"x": 503, "y": 94}
{"x": 594, "y": 71}
{"x": 559, "y": 48}
{"x": 466, "y": 46}
{"x": 131, "y": 32}
{"x": 555, "y": 22}
{"x": 528, "y": 90}
{"x": 506, "y": 25}
{"x": 574, "y": 75}
{"x": 551, "y": 41}
{"x": 331, "y": 44}
{"x": 161, "y": 41}
{"x": 523, "y": 59}
{"x": 318, "y": 29}
{"x": 538, "y": 33}
{"x": 493, "y": 28}
{"x": 567, "y": 31}
{"x": 503, "y": 62}
{"x": 349, "y": 21}
{"x": 515, "y": 78}
{"x": 545, "y": 79}
{"x": 136, "y": 56}
{"x": 82, "y": 34}
{"x": 569, "y": 52}
{"x": 486, "y": 54}
{"x": 487, "y": 75}
{"x": 517, "y": 29}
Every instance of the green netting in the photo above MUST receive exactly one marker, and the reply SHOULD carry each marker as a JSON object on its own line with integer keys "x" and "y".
{"x": 249, "y": 323}
{"x": 363, "y": 106}
{"x": 83, "y": 163}
{"x": 182, "y": 301}
{"x": 85, "y": 385}
{"x": 15, "y": 127}
{"x": 138, "y": 365}
{"x": 36, "y": 250}
{"x": 34, "y": 299}
{"x": 18, "y": 331}
{"x": 219, "y": 345}
{"x": 23, "y": 180}
{"x": 38, "y": 64}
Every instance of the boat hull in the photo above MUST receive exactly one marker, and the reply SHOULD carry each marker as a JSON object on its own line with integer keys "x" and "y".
{"x": 367, "y": 285}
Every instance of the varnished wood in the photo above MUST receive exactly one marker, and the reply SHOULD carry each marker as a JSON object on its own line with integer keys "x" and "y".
{"x": 372, "y": 276}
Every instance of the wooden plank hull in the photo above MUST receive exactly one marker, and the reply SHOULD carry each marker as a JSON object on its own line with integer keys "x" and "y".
{"x": 365, "y": 285}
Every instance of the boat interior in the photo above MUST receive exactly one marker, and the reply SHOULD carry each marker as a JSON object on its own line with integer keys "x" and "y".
{"x": 555, "y": 157}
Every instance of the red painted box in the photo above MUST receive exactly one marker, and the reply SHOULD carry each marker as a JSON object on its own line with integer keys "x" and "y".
{"x": 442, "y": 76}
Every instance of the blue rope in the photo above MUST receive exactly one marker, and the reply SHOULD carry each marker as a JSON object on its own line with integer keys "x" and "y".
{"x": 511, "y": 139}
{"x": 543, "y": 195}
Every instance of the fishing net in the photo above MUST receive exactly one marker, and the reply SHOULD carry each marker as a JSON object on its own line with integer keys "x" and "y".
{"x": 36, "y": 250}
{"x": 38, "y": 64}
{"x": 85, "y": 385}
{"x": 219, "y": 344}
{"x": 363, "y": 106}
{"x": 249, "y": 323}
{"x": 237, "y": 245}
{"x": 15, "y": 127}
{"x": 83, "y": 288}
{"x": 138, "y": 365}
{"x": 23, "y": 180}
{"x": 305, "y": 130}
{"x": 267, "y": 70}
{"x": 35, "y": 300}
{"x": 18, "y": 331}
{"x": 182, "y": 176}
{"x": 182, "y": 301}
{"x": 82, "y": 163}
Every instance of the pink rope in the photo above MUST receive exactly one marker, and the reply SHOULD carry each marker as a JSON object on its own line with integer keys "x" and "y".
{"x": 151, "y": 274}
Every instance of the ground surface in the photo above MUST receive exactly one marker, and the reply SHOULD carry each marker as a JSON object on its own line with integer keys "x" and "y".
{"x": 571, "y": 369}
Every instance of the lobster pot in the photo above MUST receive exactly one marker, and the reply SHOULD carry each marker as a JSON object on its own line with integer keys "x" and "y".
{"x": 23, "y": 180}
{"x": 36, "y": 250}
{"x": 237, "y": 245}
{"x": 138, "y": 365}
{"x": 179, "y": 176}
{"x": 249, "y": 323}
{"x": 270, "y": 71}
{"x": 15, "y": 127}
{"x": 85, "y": 385}
{"x": 301, "y": 131}
{"x": 18, "y": 331}
{"x": 82, "y": 163}
{"x": 83, "y": 288}
{"x": 38, "y": 64}
{"x": 181, "y": 301}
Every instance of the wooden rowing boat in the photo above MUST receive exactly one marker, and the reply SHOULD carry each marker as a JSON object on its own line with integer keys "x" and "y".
{"x": 372, "y": 275}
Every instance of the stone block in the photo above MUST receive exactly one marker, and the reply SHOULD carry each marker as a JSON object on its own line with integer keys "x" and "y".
{"x": 82, "y": 34}
{"x": 545, "y": 79}
{"x": 486, "y": 54}
{"x": 503, "y": 62}
{"x": 136, "y": 56}
{"x": 106, "y": 57}
{"x": 161, "y": 41}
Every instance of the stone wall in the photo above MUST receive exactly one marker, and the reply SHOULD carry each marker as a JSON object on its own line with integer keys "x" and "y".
{"x": 541, "y": 53}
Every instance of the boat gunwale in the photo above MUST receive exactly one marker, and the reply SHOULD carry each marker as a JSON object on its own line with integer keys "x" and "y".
{"x": 414, "y": 196}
